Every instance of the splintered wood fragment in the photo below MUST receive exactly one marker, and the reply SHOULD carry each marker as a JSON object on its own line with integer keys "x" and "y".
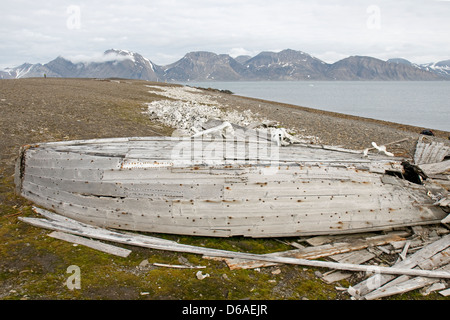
{"x": 97, "y": 245}
{"x": 432, "y": 152}
{"x": 445, "y": 293}
{"x": 405, "y": 286}
{"x": 434, "y": 287}
{"x": 374, "y": 282}
{"x": 444, "y": 202}
{"x": 439, "y": 260}
{"x": 356, "y": 257}
{"x": 446, "y": 220}
{"x": 320, "y": 240}
{"x": 317, "y": 252}
{"x": 335, "y": 276}
{"x": 160, "y": 244}
{"x": 431, "y": 169}
{"x": 405, "y": 250}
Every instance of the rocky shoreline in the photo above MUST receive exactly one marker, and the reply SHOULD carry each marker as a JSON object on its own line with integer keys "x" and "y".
{"x": 326, "y": 127}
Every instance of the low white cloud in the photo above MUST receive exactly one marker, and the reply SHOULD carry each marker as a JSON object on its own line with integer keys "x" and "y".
{"x": 98, "y": 57}
{"x": 236, "y": 52}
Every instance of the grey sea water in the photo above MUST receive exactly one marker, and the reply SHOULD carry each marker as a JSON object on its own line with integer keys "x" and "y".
{"x": 418, "y": 103}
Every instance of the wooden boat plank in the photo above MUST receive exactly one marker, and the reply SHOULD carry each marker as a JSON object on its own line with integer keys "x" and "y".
{"x": 71, "y": 198}
{"x": 166, "y": 190}
{"x": 128, "y": 221}
{"x": 337, "y": 251}
{"x": 309, "y": 202}
{"x": 405, "y": 283}
{"x": 51, "y": 155}
{"x": 277, "y": 189}
{"x": 432, "y": 152}
{"x": 435, "y": 168}
{"x": 113, "y": 218}
{"x": 161, "y": 173}
{"x": 280, "y": 229}
{"x": 78, "y": 174}
{"x": 94, "y": 244}
{"x": 309, "y": 151}
{"x": 107, "y": 203}
{"x": 61, "y": 173}
{"x": 287, "y": 173}
{"x": 78, "y": 186}
{"x": 93, "y": 163}
{"x": 373, "y": 283}
{"x": 99, "y": 217}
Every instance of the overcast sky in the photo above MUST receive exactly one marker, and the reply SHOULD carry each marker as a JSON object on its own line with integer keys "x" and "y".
{"x": 164, "y": 30}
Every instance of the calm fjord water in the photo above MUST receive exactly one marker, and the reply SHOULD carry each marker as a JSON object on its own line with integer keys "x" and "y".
{"x": 417, "y": 103}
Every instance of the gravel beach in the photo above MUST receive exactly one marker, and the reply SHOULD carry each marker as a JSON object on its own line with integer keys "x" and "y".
{"x": 38, "y": 110}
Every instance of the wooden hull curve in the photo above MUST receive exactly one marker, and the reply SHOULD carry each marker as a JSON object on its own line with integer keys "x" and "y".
{"x": 220, "y": 188}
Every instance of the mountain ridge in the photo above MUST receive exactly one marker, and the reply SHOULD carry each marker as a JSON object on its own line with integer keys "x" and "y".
{"x": 286, "y": 65}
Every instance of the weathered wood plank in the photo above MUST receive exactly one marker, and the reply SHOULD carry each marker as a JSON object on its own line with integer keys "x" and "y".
{"x": 267, "y": 216}
{"x": 168, "y": 190}
{"x": 61, "y": 173}
{"x": 97, "y": 245}
{"x": 405, "y": 286}
{"x": 445, "y": 293}
{"x": 317, "y": 252}
{"x": 373, "y": 283}
{"x": 431, "y": 169}
{"x": 147, "y": 242}
{"x": 81, "y": 162}
{"x": 438, "y": 260}
{"x": 320, "y": 240}
{"x": 432, "y": 152}
{"x": 354, "y": 257}
{"x": 446, "y": 219}
{"x": 119, "y": 209}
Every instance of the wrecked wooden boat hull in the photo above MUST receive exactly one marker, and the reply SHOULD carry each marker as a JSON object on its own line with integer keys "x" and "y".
{"x": 221, "y": 188}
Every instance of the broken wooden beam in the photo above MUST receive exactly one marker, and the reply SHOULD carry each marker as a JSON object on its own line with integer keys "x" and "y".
{"x": 322, "y": 251}
{"x": 373, "y": 283}
{"x": 405, "y": 286}
{"x": 431, "y": 169}
{"x": 445, "y": 292}
{"x": 161, "y": 244}
{"x": 432, "y": 152}
{"x": 97, "y": 245}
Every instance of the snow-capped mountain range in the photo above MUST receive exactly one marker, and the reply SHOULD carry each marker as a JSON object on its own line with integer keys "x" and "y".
{"x": 207, "y": 66}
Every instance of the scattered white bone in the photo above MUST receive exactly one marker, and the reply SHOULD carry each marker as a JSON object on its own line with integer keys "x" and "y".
{"x": 225, "y": 129}
{"x": 188, "y": 117}
{"x": 381, "y": 149}
{"x": 201, "y": 276}
{"x": 183, "y": 94}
